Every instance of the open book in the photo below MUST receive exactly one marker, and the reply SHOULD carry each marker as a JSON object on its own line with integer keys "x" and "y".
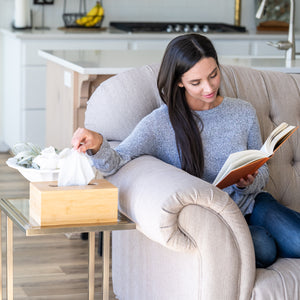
{"x": 240, "y": 164}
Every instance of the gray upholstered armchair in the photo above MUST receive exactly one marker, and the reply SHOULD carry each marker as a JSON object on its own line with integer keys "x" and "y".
{"x": 191, "y": 241}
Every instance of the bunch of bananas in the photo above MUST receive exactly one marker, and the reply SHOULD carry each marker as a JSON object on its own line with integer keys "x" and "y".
{"x": 94, "y": 16}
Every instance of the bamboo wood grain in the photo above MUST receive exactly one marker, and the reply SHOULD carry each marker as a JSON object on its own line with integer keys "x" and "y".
{"x": 93, "y": 203}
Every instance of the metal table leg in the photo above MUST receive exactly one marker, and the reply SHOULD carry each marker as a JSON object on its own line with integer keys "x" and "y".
{"x": 1, "y": 277}
{"x": 9, "y": 260}
{"x": 106, "y": 260}
{"x": 91, "y": 265}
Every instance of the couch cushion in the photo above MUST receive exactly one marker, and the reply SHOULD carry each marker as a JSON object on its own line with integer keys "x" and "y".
{"x": 275, "y": 96}
{"x": 120, "y": 102}
{"x": 279, "y": 281}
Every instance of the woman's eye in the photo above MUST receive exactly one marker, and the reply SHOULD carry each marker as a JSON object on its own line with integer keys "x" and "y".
{"x": 195, "y": 84}
{"x": 214, "y": 75}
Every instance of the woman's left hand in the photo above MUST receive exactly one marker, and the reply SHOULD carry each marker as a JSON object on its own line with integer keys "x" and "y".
{"x": 244, "y": 182}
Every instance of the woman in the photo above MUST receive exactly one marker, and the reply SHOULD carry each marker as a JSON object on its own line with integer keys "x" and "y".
{"x": 196, "y": 130}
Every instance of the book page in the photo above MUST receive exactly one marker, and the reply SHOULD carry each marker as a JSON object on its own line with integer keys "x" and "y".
{"x": 277, "y": 137}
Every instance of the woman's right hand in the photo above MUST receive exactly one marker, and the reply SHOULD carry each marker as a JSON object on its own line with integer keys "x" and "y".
{"x": 84, "y": 139}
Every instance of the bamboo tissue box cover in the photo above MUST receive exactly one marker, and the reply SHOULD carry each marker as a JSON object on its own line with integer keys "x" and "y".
{"x": 50, "y": 204}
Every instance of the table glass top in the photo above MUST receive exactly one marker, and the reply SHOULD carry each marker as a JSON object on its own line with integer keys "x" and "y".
{"x": 18, "y": 211}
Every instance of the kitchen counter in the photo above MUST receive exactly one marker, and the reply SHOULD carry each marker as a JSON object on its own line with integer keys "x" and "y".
{"x": 111, "y": 33}
{"x": 263, "y": 63}
{"x": 95, "y": 62}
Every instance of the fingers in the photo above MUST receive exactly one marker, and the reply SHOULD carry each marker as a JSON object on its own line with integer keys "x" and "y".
{"x": 84, "y": 139}
{"x": 244, "y": 182}
{"x": 79, "y": 138}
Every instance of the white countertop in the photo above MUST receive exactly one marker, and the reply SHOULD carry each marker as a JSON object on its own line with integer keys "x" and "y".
{"x": 102, "y": 61}
{"x": 116, "y": 61}
{"x": 263, "y": 63}
{"x": 118, "y": 34}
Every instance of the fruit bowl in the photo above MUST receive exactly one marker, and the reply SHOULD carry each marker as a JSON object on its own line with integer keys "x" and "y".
{"x": 71, "y": 18}
{"x": 32, "y": 174}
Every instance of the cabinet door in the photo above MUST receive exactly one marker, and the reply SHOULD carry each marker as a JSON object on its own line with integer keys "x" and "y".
{"x": 232, "y": 47}
{"x": 34, "y": 87}
{"x": 148, "y": 44}
{"x": 261, "y": 48}
{"x": 34, "y": 127}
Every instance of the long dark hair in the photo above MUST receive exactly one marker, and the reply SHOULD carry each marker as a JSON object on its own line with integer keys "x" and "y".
{"x": 181, "y": 54}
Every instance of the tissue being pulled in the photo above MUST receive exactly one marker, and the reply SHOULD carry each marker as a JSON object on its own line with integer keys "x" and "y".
{"x": 75, "y": 168}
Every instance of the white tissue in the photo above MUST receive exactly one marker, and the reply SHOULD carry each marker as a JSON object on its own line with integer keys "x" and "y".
{"x": 75, "y": 168}
{"x": 48, "y": 159}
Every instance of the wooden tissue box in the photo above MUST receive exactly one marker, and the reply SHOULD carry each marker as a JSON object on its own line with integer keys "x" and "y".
{"x": 52, "y": 205}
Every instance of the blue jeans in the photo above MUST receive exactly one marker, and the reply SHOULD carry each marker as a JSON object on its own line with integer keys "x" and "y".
{"x": 275, "y": 230}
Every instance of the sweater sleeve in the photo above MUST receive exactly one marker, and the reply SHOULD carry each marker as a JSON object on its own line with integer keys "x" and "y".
{"x": 109, "y": 160}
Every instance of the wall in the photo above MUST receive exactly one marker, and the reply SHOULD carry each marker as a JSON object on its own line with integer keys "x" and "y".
{"x": 144, "y": 10}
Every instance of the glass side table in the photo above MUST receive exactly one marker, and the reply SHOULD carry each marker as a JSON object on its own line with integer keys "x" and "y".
{"x": 17, "y": 212}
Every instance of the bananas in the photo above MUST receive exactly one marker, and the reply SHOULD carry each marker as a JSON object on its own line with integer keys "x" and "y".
{"x": 94, "y": 16}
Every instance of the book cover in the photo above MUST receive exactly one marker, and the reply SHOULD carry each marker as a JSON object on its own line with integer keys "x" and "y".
{"x": 241, "y": 164}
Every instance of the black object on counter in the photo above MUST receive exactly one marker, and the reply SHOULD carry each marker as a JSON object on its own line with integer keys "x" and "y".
{"x": 179, "y": 27}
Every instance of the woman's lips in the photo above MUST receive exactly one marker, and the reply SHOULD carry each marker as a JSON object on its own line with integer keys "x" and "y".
{"x": 210, "y": 95}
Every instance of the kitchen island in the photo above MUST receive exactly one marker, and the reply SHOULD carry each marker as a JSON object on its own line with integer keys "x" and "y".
{"x": 73, "y": 75}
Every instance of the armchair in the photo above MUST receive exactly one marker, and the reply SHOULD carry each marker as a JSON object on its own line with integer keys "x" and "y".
{"x": 192, "y": 241}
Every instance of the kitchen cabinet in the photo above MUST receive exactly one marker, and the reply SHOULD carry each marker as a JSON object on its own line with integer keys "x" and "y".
{"x": 245, "y": 44}
{"x": 24, "y": 80}
{"x": 223, "y": 47}
{"x": 72, "y": 76}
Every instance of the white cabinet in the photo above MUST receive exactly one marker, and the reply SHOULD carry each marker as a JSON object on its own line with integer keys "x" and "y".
{"x": 24, "y": 81}
{"x": 144, "y": 44}
{"x": 232, "y": 47}
{"x": 261, "y": 48}
{"x": 223, "y": 46}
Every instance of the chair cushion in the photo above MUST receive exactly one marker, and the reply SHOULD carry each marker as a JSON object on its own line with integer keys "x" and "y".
{"x": 275, "y": 96}
{"x": 279, "y": 281}
{"x": 120, "y": 102}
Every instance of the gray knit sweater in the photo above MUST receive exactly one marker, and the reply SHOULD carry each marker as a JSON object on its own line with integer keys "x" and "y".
{"x": 230, "y": 127}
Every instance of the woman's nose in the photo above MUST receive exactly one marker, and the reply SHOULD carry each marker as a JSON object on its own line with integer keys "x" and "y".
{"x": 207, "y": 88}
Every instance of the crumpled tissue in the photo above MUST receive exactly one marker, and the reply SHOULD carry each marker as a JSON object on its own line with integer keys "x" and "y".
{"x": 75, "y": 168}
{"x": 48, "y": 159}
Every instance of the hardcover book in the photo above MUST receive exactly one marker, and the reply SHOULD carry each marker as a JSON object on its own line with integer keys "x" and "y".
{"x": 240, "y": 164}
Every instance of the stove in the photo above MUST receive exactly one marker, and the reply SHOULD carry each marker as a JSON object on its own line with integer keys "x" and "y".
{"x": 176, "y": 27}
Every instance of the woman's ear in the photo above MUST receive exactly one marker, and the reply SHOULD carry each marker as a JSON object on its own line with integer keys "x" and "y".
{"x": 180, "y": 84}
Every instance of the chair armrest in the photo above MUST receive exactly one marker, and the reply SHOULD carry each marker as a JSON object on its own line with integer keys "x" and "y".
{"x": 185, "y": 213}
{"x": 153, "y": 194}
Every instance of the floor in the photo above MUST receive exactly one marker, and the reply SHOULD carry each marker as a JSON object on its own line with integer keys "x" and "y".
{"x": 51, "y": 267}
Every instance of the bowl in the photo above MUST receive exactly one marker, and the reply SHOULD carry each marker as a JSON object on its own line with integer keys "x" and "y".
{"x": 32, "y": 174}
